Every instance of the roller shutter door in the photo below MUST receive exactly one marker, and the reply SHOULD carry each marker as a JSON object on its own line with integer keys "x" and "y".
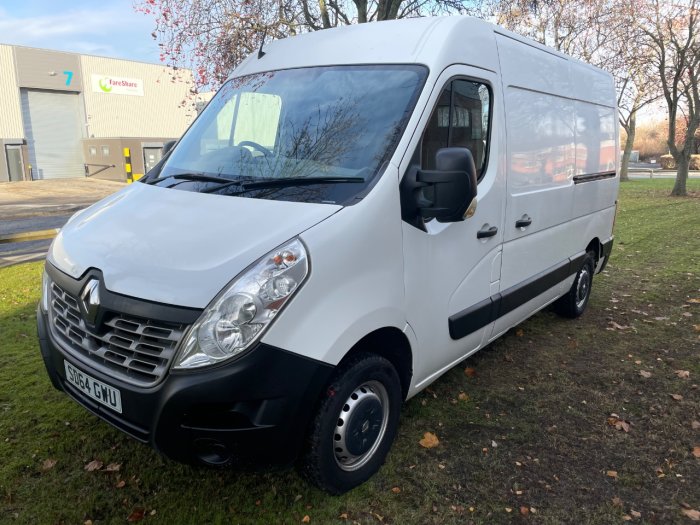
{"x": 52, "y": 125}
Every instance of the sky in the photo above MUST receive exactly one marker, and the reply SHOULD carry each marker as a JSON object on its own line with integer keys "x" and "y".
{"x": 95, "y": 27}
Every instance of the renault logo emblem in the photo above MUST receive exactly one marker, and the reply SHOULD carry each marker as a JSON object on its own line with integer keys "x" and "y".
{"x": 90, "y": 300}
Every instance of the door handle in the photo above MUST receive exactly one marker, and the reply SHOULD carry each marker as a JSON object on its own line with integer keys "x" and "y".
{"x": 524, "y": 222}
{"x": 486, "y": 232}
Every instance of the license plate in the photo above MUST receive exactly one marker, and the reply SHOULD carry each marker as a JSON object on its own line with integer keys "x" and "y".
{"x": 97, "y": 390}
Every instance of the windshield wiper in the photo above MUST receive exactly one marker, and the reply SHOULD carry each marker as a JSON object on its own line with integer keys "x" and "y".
{"x": 282, "y": 182}
{"x": 192, "y": 176}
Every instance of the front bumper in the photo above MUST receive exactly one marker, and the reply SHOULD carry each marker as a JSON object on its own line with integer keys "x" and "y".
{"x": 255, "y": 409}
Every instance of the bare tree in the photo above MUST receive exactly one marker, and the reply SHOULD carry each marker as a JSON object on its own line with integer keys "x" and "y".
{"x": 672, "y": 29}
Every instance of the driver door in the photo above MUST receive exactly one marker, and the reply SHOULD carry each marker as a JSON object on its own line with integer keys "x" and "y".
{"x": 451, "y": 270}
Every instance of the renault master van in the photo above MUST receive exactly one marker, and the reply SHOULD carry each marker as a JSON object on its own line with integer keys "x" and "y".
{"x": 355, "y": 212}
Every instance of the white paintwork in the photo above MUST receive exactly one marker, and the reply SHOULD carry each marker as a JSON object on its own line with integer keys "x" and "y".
{"x": 446, "y": 269}
{"x": 368, "y": 269}
{"x": 176, "y": 247}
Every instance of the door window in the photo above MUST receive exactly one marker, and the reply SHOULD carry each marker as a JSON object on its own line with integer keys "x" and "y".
{"x": 460, "y": 119}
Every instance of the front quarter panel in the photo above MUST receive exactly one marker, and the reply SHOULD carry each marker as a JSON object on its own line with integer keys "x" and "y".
{"x": 355, "y": 284}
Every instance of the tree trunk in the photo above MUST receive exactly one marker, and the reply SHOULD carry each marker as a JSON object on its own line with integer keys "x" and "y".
{"x": 361, "y": 11}
{"x": 631, "y": 129}
{"x": 679, "y": 189}
{"x": 324, "y": 14}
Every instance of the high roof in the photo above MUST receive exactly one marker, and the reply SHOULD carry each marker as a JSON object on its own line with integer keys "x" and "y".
{"x": 436, "y": 42}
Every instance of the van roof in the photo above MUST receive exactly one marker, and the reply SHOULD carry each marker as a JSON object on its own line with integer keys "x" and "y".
{"x": 434, "y": 41}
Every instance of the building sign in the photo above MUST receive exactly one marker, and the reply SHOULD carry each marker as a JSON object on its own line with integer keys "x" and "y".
{"x": 117, "y": 85}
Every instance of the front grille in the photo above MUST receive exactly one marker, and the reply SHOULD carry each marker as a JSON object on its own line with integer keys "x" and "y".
{"x": 137, "y": 350}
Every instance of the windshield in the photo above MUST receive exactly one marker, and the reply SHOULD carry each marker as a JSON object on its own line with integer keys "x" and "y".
{"x": 336, "y": 125}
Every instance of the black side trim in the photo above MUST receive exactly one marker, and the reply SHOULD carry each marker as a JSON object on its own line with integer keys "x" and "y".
{"x": 521, "y": 293}
{"x": 590, "y": 177}
{"x": 474, "y": 317}
{"x": 115, "y": 302}
{"x": 487, "y": 311}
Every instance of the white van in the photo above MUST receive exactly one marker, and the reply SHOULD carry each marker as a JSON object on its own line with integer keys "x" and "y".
{"x": 355, "y": 212}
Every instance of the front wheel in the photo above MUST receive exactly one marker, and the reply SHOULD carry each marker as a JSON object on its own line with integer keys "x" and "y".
{"x": 355, "y": 424}
{"x": 574, "y": 302}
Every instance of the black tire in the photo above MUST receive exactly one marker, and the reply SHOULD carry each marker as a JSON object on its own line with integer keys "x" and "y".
{"x": 362, "y": 401}
{"x": 576, "y": 299}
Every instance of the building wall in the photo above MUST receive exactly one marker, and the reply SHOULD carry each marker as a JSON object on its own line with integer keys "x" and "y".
{"x": 155, "y": 114}
{"x": 105, "y": 156}
{"x": 10, "y": 113}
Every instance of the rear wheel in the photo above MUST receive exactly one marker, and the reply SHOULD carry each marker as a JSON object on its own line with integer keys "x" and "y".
{"x": 574, "y": 302}
{"x": 355, "y": 424}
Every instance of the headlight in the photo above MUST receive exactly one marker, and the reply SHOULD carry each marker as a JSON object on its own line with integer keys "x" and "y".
{"x": 240, "y": 314}
{"x": 45, "y": 291}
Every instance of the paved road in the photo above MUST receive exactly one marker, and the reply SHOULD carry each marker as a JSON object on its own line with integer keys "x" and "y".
{"x": 18, "y": 252}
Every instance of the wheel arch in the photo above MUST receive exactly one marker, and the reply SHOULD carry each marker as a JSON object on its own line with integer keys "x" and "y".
{"x": 596, "y": 247}
{"x": 391, "y": 344}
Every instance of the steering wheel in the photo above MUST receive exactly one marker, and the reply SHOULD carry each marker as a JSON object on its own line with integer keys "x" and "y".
{"x": 255, "y": 146}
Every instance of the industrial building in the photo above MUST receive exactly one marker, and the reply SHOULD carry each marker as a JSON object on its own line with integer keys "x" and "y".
{"x": 71, "y": 115}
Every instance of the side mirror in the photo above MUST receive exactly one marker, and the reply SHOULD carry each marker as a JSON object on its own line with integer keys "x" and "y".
{"x": 446, "y": 193}
{"x": 167, "y": 147}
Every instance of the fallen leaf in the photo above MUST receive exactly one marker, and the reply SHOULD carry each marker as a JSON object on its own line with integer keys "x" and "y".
{"x": 677, "y": 397}
{"x": 612, "y": 474}
{"x": 619, "y": 424}
{"x": 429, "y": 440}
{"x": 152, "y": 513}
{"x": 616, "y": 326}
{"x": 136, "y": 515}
{"x": 626, "y": 517}
{"x": 695, "y": 425}
{"x": 683, "y": 374}
{"x": 343, "y": 516}
{"x": 687, "y": 314}
{"x": 396, "y": 490}
{"x": 696, "y": 451}
{"x": 636, "y": 514}
{"x": 697, "y": 327}
{"x": 519, "y": 332}
{"x": 693, "y": 514}
{"x": 508, "y": 509}
{"x": 524, "y": 511}
{"x": 306, "y": 519}
{"x": 87, "y": 522}
{"x": 95, "y": 464}
{"x": 694, "y": 301}
{"x": 120, "y": 484}
{"x": 48, "y": 464}
{"x": 463, "y": 397}
{"x": 617, "y": 502}
{"x": 645, "y": 374}
{"x": 380, "y": 518}
{"x": 112, "y": 467}
{"x": 470, "y": 372}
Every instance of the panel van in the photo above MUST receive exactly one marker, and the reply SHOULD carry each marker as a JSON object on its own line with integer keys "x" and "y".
{"x": 356, "y": 211}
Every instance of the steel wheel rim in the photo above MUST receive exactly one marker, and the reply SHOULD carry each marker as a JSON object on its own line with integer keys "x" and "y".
{"x": 368, "y": 395}
{"x": 583, "y": 288}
